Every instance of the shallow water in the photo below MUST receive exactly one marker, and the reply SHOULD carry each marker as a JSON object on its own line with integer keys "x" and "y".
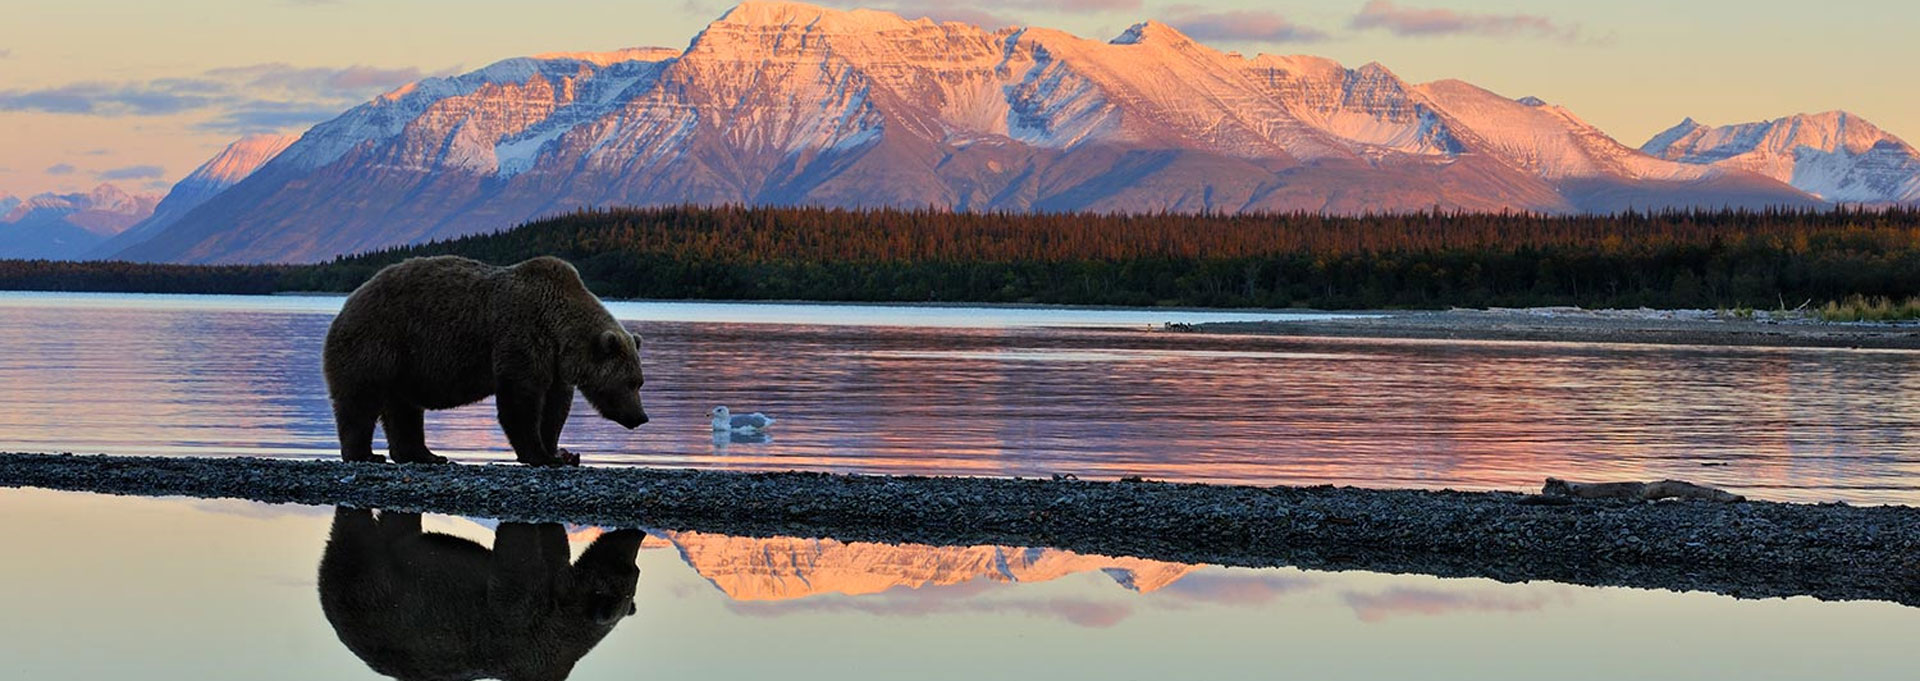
{"x": 1006, "y": 392}
{"x": 169, "y": 589}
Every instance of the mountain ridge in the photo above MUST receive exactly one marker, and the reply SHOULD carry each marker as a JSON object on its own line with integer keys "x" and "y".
{"x": 55, "y": 226}
{"x": 1834, "y": 155}
{"x": 792, "y": 104}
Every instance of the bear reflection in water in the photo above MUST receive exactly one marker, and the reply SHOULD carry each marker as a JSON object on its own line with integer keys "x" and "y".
{"x": 424, "y": 605}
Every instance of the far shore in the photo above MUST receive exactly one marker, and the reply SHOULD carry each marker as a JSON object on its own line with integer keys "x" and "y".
{"x": 1744, "y": 549}
{"x": 1574, "y": 325}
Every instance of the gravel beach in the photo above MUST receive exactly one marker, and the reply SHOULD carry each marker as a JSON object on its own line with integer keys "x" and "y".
{"x": 1659, "y": 327}
{"x": 1750, "y": 549}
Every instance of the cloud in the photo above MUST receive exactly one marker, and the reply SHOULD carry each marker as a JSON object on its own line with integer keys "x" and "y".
{"x": 1416, "y": 601}
{"x": 60, "y": 169}
{"x": 1237, "y": 588}
{"x": 5, "y": 53}
{"x": 1240, "y": 26}
{"x": 242, "y": 99}
{"x": 265, "y": 116}
{"x": 107, "y": 99}
{"x": 1079, "y": 612}
{"x": 138, "y": 172}
{"x": 334, "y": 82}
{"x": 1416, "y": 22}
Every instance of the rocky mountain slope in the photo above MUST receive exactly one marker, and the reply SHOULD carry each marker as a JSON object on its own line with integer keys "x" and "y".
{"x": 1835, "y": 155}
{"x": 225, "y": 169}
{"x": 786, "y": 103}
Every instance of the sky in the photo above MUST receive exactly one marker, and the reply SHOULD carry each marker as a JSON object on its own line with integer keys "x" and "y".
{"x": 138, "y": 93}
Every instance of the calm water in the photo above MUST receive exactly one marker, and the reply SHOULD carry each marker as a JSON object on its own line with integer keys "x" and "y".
{"x": 164, "y": 589}
{"x": 1009, "y": 392}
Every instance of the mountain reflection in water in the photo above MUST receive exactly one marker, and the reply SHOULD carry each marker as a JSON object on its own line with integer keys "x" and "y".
{"x": 223, "y": 590}
{"x": 425, "y": 605}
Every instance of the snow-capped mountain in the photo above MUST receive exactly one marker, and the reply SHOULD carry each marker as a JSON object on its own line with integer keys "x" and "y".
{"x": 786, "y": 103}
{"x": 225, "y": 169}
{"x": 1835, "y": 155}
{"x": 63, "y": 226}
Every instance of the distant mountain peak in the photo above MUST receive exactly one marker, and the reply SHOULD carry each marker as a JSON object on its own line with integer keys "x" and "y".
{"x": 615, "y": 56}
{"x": 1834, "y": 155}
{"x": 242, "y": 157}
{"x": 1150, "y": 31}
{"x": 815, "y": 18}
{"x": 63, "y": 226}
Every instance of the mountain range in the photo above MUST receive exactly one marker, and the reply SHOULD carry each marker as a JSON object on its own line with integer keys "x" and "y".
{"x": 54, "y": 226}
{"x": 785, "y": 103}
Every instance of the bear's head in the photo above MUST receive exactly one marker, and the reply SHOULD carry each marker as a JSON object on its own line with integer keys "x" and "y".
{"x": 611, "y": 377}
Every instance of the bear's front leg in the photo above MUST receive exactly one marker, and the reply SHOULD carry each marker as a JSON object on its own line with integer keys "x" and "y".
{"x": 553, "y": 419}
{"x": 521, "y": 407}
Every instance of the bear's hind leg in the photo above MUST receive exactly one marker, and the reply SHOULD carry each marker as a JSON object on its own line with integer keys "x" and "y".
{"x": 354, "y": 420}
{"x": 407, "y": 433}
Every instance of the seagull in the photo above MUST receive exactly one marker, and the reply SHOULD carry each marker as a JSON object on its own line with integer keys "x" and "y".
{"x": 724, "y": 420}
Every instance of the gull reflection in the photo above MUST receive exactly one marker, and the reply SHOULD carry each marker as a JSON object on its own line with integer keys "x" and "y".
{"x": 424, "y": 605}
{"x": 723, "y": 438}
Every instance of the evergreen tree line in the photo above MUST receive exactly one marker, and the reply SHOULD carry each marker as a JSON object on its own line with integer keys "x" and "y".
{"x": 1658, "y": 259}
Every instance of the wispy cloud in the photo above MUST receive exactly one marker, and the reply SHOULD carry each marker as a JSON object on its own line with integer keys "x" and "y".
{"x": 106, "y": 99}
{"x": 1080, "y": 612}
{"x": 1237, "y": 587}
{"x": 1422, "y": 22}
{"x": 1240, "y": 26}
{"x": 1401, "y": 601}
{"x": 60, "y": 169}
{"x": 5, "y": 53}
{"x": 253, "y": 98}
{"x": 137, "y": 172}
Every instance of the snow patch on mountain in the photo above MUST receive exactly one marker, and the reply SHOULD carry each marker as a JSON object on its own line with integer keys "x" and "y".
{"x": 1834, "y": 155}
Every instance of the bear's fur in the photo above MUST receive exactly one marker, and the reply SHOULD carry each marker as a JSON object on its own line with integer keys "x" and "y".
{"x": 423, "y": 605}
{"x": 441, "y": 332}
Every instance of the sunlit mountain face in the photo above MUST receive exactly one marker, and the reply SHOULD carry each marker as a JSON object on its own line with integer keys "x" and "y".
{"x": 786, "y": 104}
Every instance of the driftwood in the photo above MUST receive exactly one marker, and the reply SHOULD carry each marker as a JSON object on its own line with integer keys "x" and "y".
{"x": 1648, "y": 491}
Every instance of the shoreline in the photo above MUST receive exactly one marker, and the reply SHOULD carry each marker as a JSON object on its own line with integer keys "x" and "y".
{"x": 1573, "y": 325}
{"x": 1747, "y": 550}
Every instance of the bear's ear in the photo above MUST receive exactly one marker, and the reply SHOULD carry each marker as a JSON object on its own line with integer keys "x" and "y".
{"x": 636, "y": 341}
{"x": 610, "y": 343}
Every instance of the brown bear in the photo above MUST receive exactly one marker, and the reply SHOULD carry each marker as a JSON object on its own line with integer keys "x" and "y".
{"x": 424, "y": 605}
{"x": 446, "y": 331}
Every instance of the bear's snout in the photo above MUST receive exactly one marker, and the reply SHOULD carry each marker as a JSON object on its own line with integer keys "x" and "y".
{"x": 634, "y": 421}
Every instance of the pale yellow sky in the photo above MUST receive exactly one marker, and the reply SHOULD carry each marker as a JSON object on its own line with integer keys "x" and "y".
{"x": 119, "y": 87}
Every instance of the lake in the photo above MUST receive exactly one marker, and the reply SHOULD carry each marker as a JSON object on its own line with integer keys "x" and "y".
{"x": 1017, "y": 392}
{"x": 199, "y": 590}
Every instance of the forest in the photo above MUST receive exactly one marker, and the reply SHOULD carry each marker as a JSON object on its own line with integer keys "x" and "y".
{"x": 1670, "y": 259}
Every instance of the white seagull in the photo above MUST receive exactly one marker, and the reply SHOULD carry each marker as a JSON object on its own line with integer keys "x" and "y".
{"x": 724, "y": 420}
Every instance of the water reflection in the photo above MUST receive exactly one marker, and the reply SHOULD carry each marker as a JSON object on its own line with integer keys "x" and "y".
{"x": 425, "y": 605}
{"x": 117, "y": 587}
{"x": 241, "y": 377}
